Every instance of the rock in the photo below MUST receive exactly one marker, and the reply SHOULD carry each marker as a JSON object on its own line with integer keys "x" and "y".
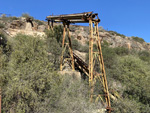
{"x": 17, "y": 24}
{"x": 66, "y": 66}
{"x": 35, "y": 26}
{"x": 41, "y": 28}
{"x": 75, "y": 74}
{"x": 103, "y": 34}
{"x": 28, "y": 26}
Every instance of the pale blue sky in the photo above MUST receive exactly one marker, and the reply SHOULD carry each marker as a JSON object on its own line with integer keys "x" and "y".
{"x": 128, "y": 17}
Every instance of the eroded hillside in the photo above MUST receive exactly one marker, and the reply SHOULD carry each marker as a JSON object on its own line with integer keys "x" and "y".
{"x": 31, "y": 81}
{"x": 13, "y": 25}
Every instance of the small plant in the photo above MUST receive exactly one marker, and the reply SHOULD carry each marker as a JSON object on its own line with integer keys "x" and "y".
{"x": 26, "y": 15}
{"x": 39, "y": 22}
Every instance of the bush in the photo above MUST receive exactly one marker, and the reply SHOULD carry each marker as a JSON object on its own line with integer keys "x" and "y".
{"x": 26, "y": 15}
{"x": 115, "y": 33}
{"x": 144, "y": 55}
{"x": 9, "y": 19}
{"x": 134, "y": 73}
{"x": 125, "y": 106}
{"x": 54, "y": 45}
{"x": 75, "y": 97}
{"x": 2, "y": 25}
{"x": 109, "y": 56}
{"x": 140, "y": 40}
{"x": 39, "y": 22}
{"x": 121, "y": 51}
{"x": 105, "y": 43}
{"x": 29, "y": 83}
{"x": 76, "y": 45}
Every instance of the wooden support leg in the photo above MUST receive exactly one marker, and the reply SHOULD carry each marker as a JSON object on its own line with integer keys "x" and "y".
{"x": 63, "y": 42}
{"x": 70, "y": 48}
{"x": 107, "y": 98}
{"x": 48, "y": 25}
{"x": 91, "y": 83}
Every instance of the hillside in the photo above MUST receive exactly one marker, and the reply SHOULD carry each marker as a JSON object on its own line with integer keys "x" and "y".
{"x": 14, "y": 25}
{"x": 32, "y": 83}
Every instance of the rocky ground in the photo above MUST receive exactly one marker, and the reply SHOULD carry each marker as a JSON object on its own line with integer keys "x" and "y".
{"x": 81, "y": 33}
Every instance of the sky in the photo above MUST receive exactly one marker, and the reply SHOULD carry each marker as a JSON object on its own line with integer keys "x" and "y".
{"x": 128, "y": 17}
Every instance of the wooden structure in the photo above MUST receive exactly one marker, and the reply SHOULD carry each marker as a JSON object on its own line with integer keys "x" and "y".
{"x": 93, "y": 20}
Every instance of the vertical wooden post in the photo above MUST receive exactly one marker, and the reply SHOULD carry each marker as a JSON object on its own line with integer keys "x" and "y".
{"x": 107, "y": 98}
{"x": 63, "y": 42}
{"x": 91, "y": 60}
{"x": 70, "y": 47}
{"x": 48, "y": 25}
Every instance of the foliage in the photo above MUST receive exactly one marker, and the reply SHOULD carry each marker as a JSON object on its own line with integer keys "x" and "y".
{"x": 4, "y": 44}
{"x": 76, "y": 45}
{"x": 28, "y": 82}
{"x": 38, "y": 22}
{"x": 140, "y": 40}
{"x": 121, "y": 51}
{"x": 133, "y": 73}
{"x": 26, "y": 15}
{"x": 115, "y": 33}
{"x": 2, "y": 25}
{"x": 3, "y": 39}
{"x": 53, "y": 41}
{"x": 9, "y": 19}
{"x": 125, "y": 106}
{"x": 74, "y": 97}
{"x": 144, "y": 55}
{"x": 109, "y": 56}
{"x": 105, "y": 43}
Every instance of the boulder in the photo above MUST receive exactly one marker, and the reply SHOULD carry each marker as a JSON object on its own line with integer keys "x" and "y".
{"x": 17, "y": 24}
{"x": 41, "y": 28}
{"x": 75, "y": 74}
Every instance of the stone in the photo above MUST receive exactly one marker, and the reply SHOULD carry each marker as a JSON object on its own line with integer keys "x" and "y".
{"x": 41, "y": 28}
{"x": 75, "y": 74}
{"x": 28, "y": 26}
{"x": 17, "y": 24}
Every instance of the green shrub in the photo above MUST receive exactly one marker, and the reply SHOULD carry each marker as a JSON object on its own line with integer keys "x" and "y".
{"x": 54, "y": 45}
{"x": 2, "y": 25}
{"x": 135, "y": 75}
{"x": 75, "y": 97}
{"x": 76, "y": 45}
{"x": 109, "y": 56}
{"x": 140, "y": 40}
{"x": 28, "y": 81}
{"x": 39, "y": 22}
{"x": 26, "y": 15}
{"x": 121, "y": 51}
{"x": 115, "y": 33}
{"x": 125, "y": 106}
{"x": 105, "y": 43}
{"x": 9, "y": 19}
{"x": 144, "y": 55}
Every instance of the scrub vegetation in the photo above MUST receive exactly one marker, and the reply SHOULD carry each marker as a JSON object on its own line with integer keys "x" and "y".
{"x": 31, "y": 83}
